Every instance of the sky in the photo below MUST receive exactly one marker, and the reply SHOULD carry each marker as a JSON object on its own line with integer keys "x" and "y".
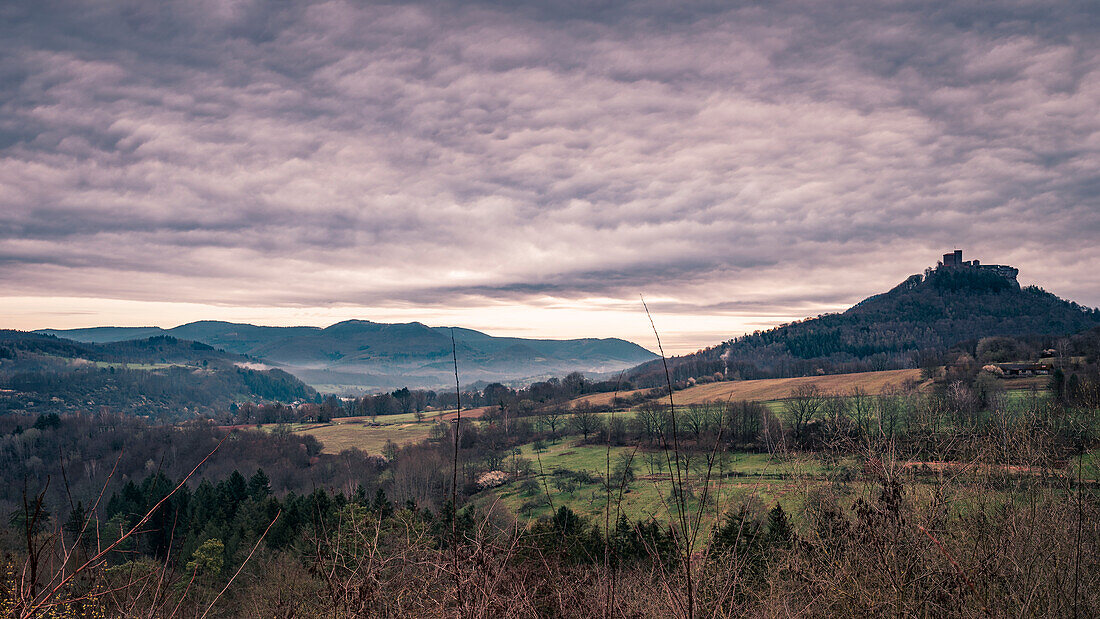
{"x": 536, "y": 168}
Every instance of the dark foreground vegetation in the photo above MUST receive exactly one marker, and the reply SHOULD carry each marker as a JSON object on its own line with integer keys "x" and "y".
{"x": 892, "y": 553}
{"x": 959, "y": 500}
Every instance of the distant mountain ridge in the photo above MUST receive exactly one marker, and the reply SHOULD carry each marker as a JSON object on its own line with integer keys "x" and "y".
{"x": 364, "y": 354}
{"x": 953, "y": 302}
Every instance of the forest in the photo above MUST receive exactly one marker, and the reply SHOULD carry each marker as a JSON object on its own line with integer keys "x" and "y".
{"x": 160, "y": 377}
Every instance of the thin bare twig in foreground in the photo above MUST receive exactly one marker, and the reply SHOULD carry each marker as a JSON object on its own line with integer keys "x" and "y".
{"x": 955, "y": 563}
{"x": 610, "y": 598}
{"x": 33, "y": 611}
{"x": 454, "y": 473}
{"x": 246, "y": 560}
{"x": 678, "y": 484}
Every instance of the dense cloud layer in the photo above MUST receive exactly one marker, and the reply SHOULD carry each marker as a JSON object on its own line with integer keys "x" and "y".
{"x": 722, "y": 158}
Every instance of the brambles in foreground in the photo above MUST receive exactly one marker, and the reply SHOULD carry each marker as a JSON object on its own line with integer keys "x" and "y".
{"x": 888, "y": 543}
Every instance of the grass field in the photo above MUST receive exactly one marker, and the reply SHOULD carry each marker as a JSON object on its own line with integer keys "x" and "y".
{"x": 1022, "y": 383}
{"x": 762, "y": 477}
{"x": 467, "y": 413}
{"x": 603, "y": 399}
{"x": 759, "y": 478}
{"x": 137, "y": 366}
{"x": 357, "y": 432}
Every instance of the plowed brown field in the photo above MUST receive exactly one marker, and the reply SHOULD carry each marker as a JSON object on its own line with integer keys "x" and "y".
{"x": 777, "y": 388}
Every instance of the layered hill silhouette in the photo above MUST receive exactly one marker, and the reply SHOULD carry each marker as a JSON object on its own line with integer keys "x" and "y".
{"x": 914, "y": 323}
{"x": 364, "y": 354}
{"x": 159, "y": 376}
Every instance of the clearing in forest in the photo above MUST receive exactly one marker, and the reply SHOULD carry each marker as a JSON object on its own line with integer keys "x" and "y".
{"x": 336, "y": 437}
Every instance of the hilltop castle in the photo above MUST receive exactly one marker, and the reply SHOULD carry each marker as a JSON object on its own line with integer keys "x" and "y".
{"x": 954, "y": 260}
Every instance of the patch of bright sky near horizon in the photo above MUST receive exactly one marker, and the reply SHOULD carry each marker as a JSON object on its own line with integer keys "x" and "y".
{"x": 532, "y": 168}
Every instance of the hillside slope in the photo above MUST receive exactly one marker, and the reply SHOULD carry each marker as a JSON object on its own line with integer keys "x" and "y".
{"x": 160, "y": 376}
{"x": 921, "y": 317}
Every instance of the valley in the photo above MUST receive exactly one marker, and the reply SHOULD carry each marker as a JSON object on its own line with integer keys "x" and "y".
{"x": 799, "y": 446}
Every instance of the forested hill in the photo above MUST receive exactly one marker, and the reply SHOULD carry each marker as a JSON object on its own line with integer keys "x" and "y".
{"x": 917, "y": 320}
{"x": 161, "y": 376}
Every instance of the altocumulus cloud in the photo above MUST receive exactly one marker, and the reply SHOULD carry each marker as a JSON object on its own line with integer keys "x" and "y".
{"x": 722, "y": 157}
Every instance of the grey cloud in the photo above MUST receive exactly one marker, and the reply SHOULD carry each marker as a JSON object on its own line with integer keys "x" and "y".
{"x": 717, "y": 153}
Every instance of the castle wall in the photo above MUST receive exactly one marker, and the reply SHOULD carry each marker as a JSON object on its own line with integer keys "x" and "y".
{"x": 954, "y": 259}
